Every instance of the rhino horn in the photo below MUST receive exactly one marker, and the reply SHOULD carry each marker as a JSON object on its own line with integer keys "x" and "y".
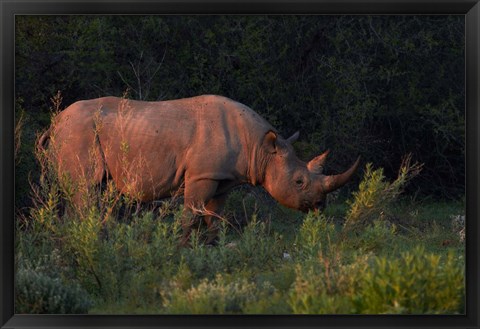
{"x": 292, "y": 139}
{"x": 316, "y": 164}
{"x": 333, "y": 182}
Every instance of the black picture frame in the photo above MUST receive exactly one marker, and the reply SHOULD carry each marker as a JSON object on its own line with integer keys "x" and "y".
{"x": 10, "y": 8}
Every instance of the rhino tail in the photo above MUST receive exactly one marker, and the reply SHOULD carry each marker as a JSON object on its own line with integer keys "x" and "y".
{"x": 42, "y": 141}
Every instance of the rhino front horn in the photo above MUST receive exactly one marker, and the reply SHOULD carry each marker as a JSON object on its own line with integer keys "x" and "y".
{"x": 333, "y": 182}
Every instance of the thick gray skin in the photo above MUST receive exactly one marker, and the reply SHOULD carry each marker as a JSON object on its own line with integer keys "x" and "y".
{"x": 200, "y": 146}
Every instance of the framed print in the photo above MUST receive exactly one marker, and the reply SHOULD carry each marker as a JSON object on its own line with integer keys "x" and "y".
{"x": 268, "y": 164}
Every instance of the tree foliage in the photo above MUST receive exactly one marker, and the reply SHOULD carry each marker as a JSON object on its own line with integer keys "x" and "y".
{"x": 378, "y": 86}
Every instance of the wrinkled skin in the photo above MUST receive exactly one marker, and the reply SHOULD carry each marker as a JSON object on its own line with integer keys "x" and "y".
{"x": 200, "y": 147}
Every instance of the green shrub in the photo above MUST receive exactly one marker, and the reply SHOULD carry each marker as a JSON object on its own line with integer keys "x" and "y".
{"x": 82, "y": 243}
{"x": 269, "y": 302}
{"x": 205, "y": 261}
{"x": 247, "y": 201}
{"x": 240, "y": 206}
{"x": 38, "y": 292}
{"x": 375, "y": 195}
{"x": 415, "y": 283}
{"x": 254, "y": 249}
{"x": 131, "y": 257}
{"x": 281, "y": 277}
{"x": 324, "y": 287}
{"x": 257, "y": 249}
{"x": 315, "y": 234}
{"x": 376, "y": 237}
{"x": 219, "y": 296}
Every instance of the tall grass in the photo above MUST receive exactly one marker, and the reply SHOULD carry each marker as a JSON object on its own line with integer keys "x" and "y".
{"x": 107, "y": 256}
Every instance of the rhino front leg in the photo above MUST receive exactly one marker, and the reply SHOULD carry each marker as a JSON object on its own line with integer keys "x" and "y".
{"x": 214, "y": 207}
{"x": 197, "y": 195}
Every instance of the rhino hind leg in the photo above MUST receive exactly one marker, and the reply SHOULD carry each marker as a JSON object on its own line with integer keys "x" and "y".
{"x": 89, "y": 174}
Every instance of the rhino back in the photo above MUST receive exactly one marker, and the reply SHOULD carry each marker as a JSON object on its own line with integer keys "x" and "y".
{"x": 159, "y": 143}
{"x": 226, "y": 133}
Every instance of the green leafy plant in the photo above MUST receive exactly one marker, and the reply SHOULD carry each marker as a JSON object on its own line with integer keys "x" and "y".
{"x": 375, "y": 195}
{"x": 46, "y": 293}
{"x": 314, "y": 236}
{"x": 219, "y": 296}
{"x": 416, "y": 283}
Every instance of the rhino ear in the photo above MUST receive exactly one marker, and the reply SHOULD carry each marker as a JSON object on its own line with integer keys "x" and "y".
{"x": 270, "y": 142}
{"x": 316, "y": 165}
{"x": 292, "y": 139}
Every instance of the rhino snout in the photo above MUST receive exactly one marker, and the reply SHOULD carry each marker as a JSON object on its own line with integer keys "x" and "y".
{"x": 306, "y": 206}
{"x": 320, "y": 206}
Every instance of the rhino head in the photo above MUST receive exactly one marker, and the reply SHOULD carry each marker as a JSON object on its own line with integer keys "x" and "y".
{"x": 294, "y": 183}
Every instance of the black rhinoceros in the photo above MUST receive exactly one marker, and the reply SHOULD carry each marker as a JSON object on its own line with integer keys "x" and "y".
{"x": 201, "y": 146}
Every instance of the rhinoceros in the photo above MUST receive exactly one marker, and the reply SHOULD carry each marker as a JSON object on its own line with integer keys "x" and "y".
{"x": 200, "y": 147}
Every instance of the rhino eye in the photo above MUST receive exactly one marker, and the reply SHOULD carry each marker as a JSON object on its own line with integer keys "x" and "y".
{"x": 299, "y": 182}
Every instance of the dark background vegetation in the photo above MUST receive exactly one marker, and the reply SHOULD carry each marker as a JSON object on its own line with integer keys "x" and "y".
{"x": 375, "y": 86}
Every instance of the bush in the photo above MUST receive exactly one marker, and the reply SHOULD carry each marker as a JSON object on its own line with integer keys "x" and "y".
{"x": 127, "y": 259}
{"x": 315, "y": 234}
{"x": 375, "y": 195}
{"x": 247, "y": 201}
{"x": 376, "y": 237}
{"x": 415, "y": 283}
{"x": 255, "y": 249}
{"x": 82, "y": 244}
{"x": 38, "y": 292}
{"x": 219, "y": 296}
{"x": 325, "y": 287}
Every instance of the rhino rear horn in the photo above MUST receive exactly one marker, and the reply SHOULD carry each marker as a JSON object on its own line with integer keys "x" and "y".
{"x": 333, "y": 182}
{"x": 292, "y": 139}
{"x": 317, "y": 164}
